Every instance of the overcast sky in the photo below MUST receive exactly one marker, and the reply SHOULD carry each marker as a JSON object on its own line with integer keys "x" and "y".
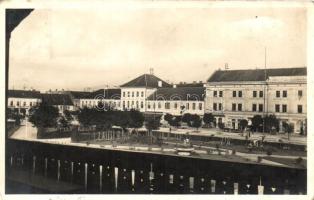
{"x": 74, "y": 49}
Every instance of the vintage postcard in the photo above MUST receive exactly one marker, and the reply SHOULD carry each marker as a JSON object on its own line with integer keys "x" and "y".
{"x": 160, "y": 98}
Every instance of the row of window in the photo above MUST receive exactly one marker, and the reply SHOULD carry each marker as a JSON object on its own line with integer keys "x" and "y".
{"x": 24, "y": 104}
{"x": 133, "y": 94}
{"x": 284, "y": 108}
{"x": 133, "y": 104}
{"x": 256, "y": 94}
{"x": 167, "y": 105}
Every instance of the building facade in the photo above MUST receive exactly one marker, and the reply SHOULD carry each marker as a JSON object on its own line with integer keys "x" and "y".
{"x": 232, "y": 95}
{"x": 23, "y": 100}
{"x": 134, "y": 93}
{"x": 177, "y": 101}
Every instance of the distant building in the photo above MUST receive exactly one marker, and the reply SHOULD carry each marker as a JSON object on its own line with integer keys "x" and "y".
{"x": 135, "y": 92}
{"x": 76, "y": 97}
{"x": 61, "y": 101}
{"x": 177, "y": 100}
{"x": 102, "y": 99}
{"x": 23, "y": 100}
{"x": 232, "y": 95}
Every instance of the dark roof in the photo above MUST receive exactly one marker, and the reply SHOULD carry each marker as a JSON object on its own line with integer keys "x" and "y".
{"x": 198, "y": 84}
{"x": 78, "y": 94}
{"x": 181, "y": 93}
{"x": 254, "y": 74}
{"x": 146, "y": 80}
{"x": 114, "y": 93}
{"x": 57, "y": 99}
{"x": 24, "y": 94}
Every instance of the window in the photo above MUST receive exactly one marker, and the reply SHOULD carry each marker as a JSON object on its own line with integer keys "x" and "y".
{"x": 284, "y": 108}
{"x": 300, "y": 93}
{"x": 159, "y": 105}
{"x": 123, "y": 94}
{"x": 187, "y": 106}
{"x": 220, "y": 106}
{"x": 137, "y": 104}
{"x": 261, "y": 94}
{"x": 284, "y": 93}
{"x": 277, "y": 94}
{"x": 254, "y": 107}
{"x": 234, "y": 93}
{"x": 299, "y": 108}
{"x": 142, "y": 94}
{"x": 137, "y": 94}
{"x": 167, "y": 105}
{"x": 215, "y": 106}
{"x": 132, "y": 103}
{"x": 11, "y": 103}
{"x": 154, "y": 105}
{"x": 148, "y": 105}
{"x": 132, "y": 94}
{"x": 254, "y": 93}
{"x": 193, "y": 106}
{"x": 215, "y": 93}
{"x": 277, "y": 108}
{"x": 200, "y": 106}
{"x": 175, "y": 106}
{"x": 220, "y": 93}
{"x": 260, "y": 108}
{"x": 128, "y": 104}
{"x": 128, "y": 94}
{"x": 142, "y": 104}
{"x": 239, "y": 107}
{"x": 24, "y": 103}
{"x": 240, "y": 93}
{"x": 123, "y": 104}
{"x": 234, "y": 106}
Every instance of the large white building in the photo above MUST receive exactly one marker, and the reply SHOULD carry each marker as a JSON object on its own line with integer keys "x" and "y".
{"x": 110, "y": 99}
{"x": 23, "y": 100}
{"x": 232, "y": 95}
{"x": 134, "y": 93}
{"x": 177, "y": 101}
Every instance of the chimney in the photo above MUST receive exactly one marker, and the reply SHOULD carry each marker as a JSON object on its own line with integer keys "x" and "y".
{"x": 159, "y": 83}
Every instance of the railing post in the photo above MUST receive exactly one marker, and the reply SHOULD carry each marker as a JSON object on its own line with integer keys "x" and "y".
{"x": 34, "y": 164}
{"x": 100, "y": 178}
{"x": 46, "y": 166}
{"x": 58, "y": 166}
{"x": 85, "y": 176}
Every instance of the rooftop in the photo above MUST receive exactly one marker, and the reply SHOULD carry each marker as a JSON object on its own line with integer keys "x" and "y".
{"x": 180, "y": 93}
{"x": 57, "y": 99}
{"x": 113, "y": 93}
{"x": 146, "y": 80}
{"x": 254, "y": 74}
{"x": 32, "y": 94}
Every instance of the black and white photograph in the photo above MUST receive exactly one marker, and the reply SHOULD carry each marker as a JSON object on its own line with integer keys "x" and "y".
{"x": 157, "y": 98}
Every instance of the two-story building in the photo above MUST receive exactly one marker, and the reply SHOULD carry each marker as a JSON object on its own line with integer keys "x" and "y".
{"x": 134, "y": 93}
{"x": 232, "y": 95}
{"x": 23, "y": 100}
{"x": 110, "y": 99}
{"x": 177, "y": 100}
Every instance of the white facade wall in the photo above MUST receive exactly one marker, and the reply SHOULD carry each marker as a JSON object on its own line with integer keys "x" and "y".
{"x": 264, "y": 105}
{"x": 25, "y": 103}
{"x": 90, "y": 103}
{"x": 176, "y": 107}
{"x": 135, "y": 98}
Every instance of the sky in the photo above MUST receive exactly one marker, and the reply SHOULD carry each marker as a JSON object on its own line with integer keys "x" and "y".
{"x": 73, "y": 48}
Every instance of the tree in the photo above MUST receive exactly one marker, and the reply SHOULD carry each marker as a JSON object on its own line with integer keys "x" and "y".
{"x": 288, "y": 128}
{"x": 271, "y": 122}
{"x": 68, "y": 116}
{"x": 243, "y": 124}
{"x": 63, "y": 122}
{"x": 257, "y": 121}
{"x": 136, "y": 119}
{"x": 208, "y": 119}
{"x": 152, "y": 123}
{"x": 168, "y": 117}
{"x": 176, "y": 121}
{"x": 44, "y": 115}
{"x": 195, "y": 121}
{"x": 186, "y": 118}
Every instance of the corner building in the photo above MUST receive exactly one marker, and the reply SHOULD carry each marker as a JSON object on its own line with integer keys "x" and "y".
{"x": 232, "y": 95}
